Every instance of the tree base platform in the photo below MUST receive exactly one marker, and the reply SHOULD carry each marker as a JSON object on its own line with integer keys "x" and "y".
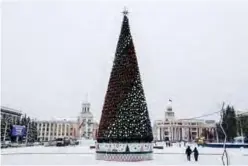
{"x": 126, "y": 152}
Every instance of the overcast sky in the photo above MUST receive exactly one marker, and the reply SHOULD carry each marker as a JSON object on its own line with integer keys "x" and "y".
{"x": 54, "y": 53}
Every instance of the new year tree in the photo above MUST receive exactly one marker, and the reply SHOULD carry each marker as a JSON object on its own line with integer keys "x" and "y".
{"x": 125, "y": 116}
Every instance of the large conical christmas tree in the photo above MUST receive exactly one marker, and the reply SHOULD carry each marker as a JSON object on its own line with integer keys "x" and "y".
{"x": 125, "y": 117}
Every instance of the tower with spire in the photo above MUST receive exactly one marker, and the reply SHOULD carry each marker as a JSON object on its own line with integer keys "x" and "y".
{"x": 125, "y": 132}
{"x": 169, "y": 114}
{"x": 85, "y": 121}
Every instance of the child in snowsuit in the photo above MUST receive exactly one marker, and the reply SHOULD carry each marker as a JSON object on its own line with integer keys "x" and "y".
{"x": 188, "y": 153}
{"x": 196, "y": 154}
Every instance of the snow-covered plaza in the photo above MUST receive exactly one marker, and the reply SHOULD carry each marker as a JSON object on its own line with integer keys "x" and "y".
{"x": 83, "y": 155}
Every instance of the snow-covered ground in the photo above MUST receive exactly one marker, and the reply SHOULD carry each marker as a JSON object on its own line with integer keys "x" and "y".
{"x": 83, "y": 155}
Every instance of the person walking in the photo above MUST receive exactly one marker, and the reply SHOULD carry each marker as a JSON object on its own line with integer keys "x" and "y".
{"x": 196, "y": 154}
{"x": 188, "y": 153}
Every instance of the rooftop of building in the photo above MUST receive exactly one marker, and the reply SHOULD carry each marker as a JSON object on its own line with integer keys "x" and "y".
{"x": 185, "y": 121}
{"x": 57, "y": 120}
{"x": 10, "y": 111}
{"x": 242, "y": 113}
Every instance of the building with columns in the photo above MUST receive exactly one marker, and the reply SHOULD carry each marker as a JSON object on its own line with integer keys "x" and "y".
{"x": 52, "y": 129}
{"x": 10, "y": 114}
{"x": 83, "y": 127}
{"x": 172, "y": 129}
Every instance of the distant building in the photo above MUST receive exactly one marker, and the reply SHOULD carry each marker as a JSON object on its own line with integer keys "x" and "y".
{"x": 241, "y": 113}
{"x": 10, "y": 114}
{"x": 50, "y": 130}
{"x": 9, "y": 117}
{"x": 172, "y": 129}
{"x": 86, "y": 124}
{"x": 95, "y": 130}
{"x": 242, "y": 122}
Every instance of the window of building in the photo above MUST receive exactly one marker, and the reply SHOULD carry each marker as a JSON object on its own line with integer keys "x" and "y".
{"x": 166, "y": 133}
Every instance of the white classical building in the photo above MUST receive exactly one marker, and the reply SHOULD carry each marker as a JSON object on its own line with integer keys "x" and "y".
{"x": 52, "y": 129}
{"x": 173, "y": 129}
{"x": 87, "y": 127}
{"x": 240, "y": 113}
{"x": 10, "y": 114}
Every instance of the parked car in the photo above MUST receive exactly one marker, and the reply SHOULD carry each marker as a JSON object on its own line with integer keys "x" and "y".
{"x": 74, "y": 142}
{"x": 3, "y": 145}
{"x": 67, "y": 141}
{"x": 50, "y": 143}
{"x": 30, "y": 144}
{"x": 60, "y": 142}
{"x": 6, "y": 143}
{"x": 14, "y": 145}
{"x": 37, "y": 143}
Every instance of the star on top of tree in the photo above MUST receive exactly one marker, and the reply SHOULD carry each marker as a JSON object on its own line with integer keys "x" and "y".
{"x": 125, "y": 11}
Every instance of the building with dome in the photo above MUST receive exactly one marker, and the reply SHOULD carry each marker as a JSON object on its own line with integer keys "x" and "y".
{"x": 172, "y": 129}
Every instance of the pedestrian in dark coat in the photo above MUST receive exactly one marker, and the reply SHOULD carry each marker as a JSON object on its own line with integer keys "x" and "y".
{"x": 188, "y": 153}
{"x": 196, "y": 154}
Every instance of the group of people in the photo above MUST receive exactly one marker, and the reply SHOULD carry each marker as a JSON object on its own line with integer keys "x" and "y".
{"x": 189, "y": 152}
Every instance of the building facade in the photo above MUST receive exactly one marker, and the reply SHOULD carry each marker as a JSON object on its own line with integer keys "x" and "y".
{"x": 9, "y": 117}
{"x": 242, "y": 113}
{"x": 95, "y": 130}
{"x": 242, "y": 123}
{"x": 86, "y": 123}
{"x": 50, "y": 130}
{"x": 10, "y": 114}
{"x": 172, "y": 129}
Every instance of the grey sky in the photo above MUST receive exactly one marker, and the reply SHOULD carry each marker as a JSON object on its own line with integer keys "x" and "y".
{"x": 194, "y": 52}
